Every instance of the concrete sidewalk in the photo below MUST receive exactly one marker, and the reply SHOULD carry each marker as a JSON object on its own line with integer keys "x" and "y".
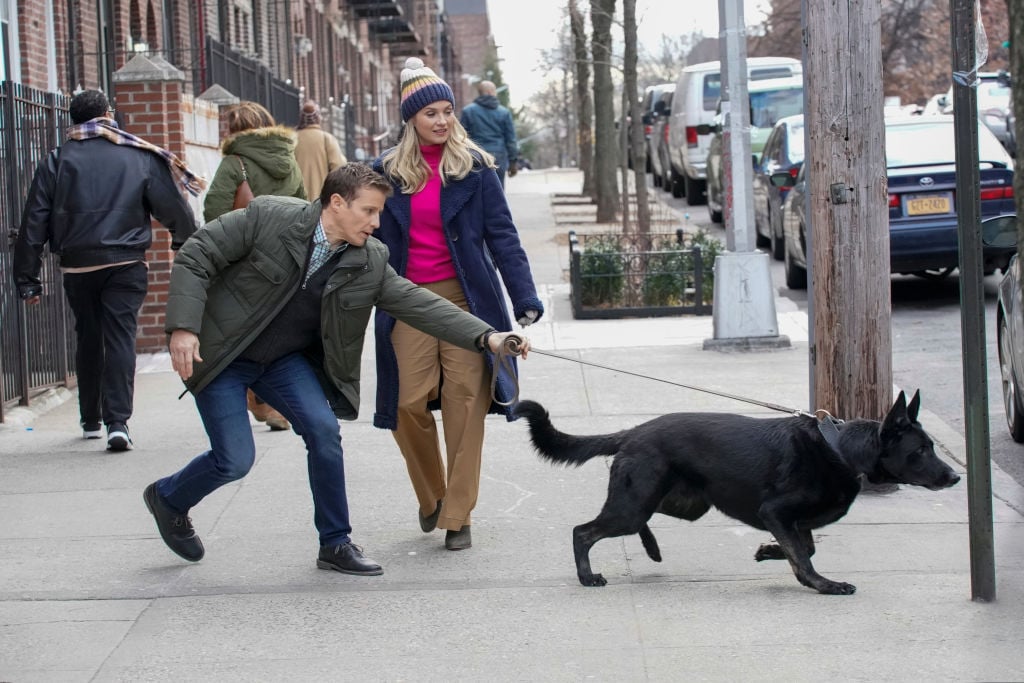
{"x": 90, "y": 593}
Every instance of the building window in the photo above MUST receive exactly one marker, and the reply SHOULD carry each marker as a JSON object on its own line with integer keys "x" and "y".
{"x": 10, "y": 64}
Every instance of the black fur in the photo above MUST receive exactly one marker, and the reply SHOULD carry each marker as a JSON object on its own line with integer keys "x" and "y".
{"x": 779, "y": 475}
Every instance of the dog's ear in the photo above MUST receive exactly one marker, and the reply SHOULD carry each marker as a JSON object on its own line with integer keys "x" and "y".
{"x": 897, "y": 415}
{"x": 915, "y": 405}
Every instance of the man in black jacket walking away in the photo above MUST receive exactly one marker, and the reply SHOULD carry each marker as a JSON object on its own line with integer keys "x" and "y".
{"x": 92, "y": 201}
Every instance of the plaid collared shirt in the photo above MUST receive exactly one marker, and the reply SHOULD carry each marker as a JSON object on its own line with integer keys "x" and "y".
{"x": 322, "y": 251}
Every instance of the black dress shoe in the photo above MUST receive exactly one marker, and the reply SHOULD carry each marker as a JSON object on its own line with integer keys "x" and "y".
{"x": 458, "y": 540}
{"x": 429, "y": 523}
{"x": 347, "y": 559}
{"x": 175, "y": 528}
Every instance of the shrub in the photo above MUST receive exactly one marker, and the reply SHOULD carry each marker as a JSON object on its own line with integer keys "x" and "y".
{"x": 601, "y": 272}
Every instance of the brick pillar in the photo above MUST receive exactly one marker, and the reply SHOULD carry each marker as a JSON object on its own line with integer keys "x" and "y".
{"x": 149, "y": 101}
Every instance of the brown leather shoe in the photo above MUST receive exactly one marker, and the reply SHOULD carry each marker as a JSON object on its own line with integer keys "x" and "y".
{"x": 458, "y": 540}
{"x": 264, "y": 413}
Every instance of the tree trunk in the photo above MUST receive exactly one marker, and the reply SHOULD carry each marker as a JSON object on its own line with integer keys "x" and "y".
{"x": 848, "y": 208}
{"x": 605, "y": 187}
{"x": 643, "y": 209}
{"x": 584, "y": 103}
{"x": 1016, "y": 9}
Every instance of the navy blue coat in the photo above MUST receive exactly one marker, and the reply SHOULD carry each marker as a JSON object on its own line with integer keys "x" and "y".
{"x": 483, "y": 241}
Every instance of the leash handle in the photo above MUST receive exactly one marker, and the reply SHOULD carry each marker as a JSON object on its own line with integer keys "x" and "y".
{"x": 510, "y": 347}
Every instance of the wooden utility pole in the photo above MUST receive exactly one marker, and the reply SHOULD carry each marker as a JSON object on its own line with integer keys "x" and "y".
{"x": 851, "y": 352}
{"x": 1016, "y": 9}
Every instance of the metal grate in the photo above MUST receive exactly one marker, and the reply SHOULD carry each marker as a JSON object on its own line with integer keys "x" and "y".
{"x": 36, "y": 347}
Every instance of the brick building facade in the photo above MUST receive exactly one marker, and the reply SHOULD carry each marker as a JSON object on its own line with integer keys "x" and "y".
{"x": 169, "y": 64}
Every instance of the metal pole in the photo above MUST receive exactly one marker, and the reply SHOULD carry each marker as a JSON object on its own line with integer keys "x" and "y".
{"x": 972, "y": 301}
{"x": 743, "y": 315}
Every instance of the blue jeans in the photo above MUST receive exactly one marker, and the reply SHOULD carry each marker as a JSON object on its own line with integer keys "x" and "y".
{"x": 290, "y": 386}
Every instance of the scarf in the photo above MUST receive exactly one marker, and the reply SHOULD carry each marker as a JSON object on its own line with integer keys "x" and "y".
{"x": 102, "y": 127}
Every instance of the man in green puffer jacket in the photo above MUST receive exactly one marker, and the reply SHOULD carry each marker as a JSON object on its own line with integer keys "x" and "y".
{"x": 277, "y": 298}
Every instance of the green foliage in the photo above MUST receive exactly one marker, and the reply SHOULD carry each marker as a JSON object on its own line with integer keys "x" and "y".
{"x": 667, "y": 273}
{"x": 601, "y": 271}
{"x": 710, "y": 248}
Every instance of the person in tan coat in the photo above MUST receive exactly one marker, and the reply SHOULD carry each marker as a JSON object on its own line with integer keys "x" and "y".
{"x": 316, "y": 150}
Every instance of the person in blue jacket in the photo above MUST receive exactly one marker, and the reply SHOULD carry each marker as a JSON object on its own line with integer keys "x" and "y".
{"x": 448, "y": 228}
{"x": 489, "y": 125}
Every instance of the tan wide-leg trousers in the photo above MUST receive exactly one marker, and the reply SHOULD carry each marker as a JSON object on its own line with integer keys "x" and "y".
{"x": 465, "y": 398}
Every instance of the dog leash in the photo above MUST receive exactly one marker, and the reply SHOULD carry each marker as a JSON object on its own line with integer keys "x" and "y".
{"x": 827, "y": 424}
{"x": 512, "y": 345}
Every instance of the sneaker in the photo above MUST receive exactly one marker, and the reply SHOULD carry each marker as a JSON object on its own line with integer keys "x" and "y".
{"x": 117, "y": 437}
{"x": 175, "y": 528}
{"x": 92, "y": 430}
{"x": 347, "y": 558}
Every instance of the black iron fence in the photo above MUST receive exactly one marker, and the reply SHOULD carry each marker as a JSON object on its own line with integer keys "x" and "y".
{"x": 615, "y": 275}
{"x": 249, "y": 80}
{"x": 36, "y": 347}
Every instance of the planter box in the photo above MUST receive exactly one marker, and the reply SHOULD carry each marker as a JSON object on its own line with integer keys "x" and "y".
{"x": 613, "y": 275}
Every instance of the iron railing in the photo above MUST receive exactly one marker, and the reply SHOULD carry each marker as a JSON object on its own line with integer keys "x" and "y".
{"x": 250, "y": 80}
{"x": 36, "y": 347}
{"x": 615, "y": 275}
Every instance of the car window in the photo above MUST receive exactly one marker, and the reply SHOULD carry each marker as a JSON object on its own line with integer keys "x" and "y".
{"x": 924, "y": 143}
{"x": 992, "y": 94}
{"x": 771, "y": 105}
{"x": 796, "y": 142}
{"x": 712, "y": 90}
{"x": 772, "y": 146}
{"x": 764, "y": 73}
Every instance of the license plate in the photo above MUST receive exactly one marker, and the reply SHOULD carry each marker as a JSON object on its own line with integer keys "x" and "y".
{"x": 924, "y": 205}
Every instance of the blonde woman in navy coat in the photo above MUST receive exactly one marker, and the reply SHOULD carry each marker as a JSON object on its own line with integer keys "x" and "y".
{"x": 449, "y": 230}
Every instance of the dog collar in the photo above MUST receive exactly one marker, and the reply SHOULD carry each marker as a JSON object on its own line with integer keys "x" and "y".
{"x": 827, "y": 427}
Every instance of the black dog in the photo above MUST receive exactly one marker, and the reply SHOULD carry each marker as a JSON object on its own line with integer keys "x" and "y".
{"x": 780, "y": 475}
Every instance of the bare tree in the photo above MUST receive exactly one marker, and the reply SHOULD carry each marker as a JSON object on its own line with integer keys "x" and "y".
{"x": 581, "y": 92}
{"x": 664, "y": 64}
{"x": 629, "y": 94}
{"x": 606, "y": 192}
{"x": 915, "y": 42}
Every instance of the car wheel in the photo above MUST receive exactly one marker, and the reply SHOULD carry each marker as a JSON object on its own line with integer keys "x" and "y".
{"x": 694, "y": 191}
{"x": 677, "y": 184}
{"x": 1011, "y": 392}
{"x": 759, "y": 239}
{"x": 716, "y": 216}
{"x": 796, "y": 277}
{"x": 778, "y": 244}
{"x": 657, "y": 179}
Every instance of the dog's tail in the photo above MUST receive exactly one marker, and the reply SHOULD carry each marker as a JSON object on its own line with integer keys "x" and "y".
{"x": 561, "y": 448}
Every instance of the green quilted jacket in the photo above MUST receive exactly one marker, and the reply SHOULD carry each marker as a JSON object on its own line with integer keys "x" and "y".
{"x": 232, "y": 278}
{"x": 269, "y": 158}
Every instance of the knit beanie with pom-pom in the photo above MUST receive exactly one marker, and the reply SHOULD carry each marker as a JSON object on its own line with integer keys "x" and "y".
{"x": 420, "y": 87}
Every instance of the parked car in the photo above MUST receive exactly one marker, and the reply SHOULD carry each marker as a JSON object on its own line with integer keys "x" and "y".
{"x": 696, "y": 97}
{"x": 770, "y": 101}
{"x": 658, "y": 155}
{"x": 783, "y": 152}
{"x": 920, "y": 164}
{"x": 652, "y": 95}
{"x": 1009, "y": 325}
{"x": 995, "y": 106}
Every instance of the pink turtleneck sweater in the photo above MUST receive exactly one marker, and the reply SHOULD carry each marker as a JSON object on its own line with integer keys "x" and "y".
{"x": 429, "y": 257}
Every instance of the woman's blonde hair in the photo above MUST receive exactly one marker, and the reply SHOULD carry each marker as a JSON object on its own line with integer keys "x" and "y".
{"x": 247, "y": 115}
{"x": 405, "y": 163}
